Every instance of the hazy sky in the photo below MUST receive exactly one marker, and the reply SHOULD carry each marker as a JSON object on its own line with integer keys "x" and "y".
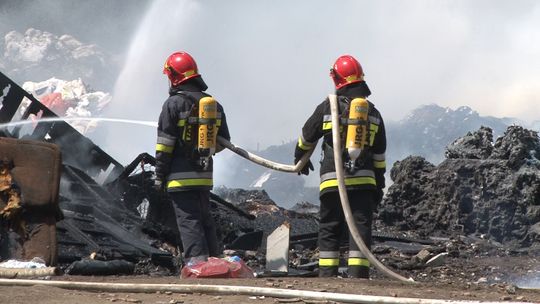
{"x": 267, "y": 61}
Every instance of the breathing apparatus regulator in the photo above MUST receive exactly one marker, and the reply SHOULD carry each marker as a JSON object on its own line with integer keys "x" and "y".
{"x": 207, "y": 133}
{"x": 357, "y": 132}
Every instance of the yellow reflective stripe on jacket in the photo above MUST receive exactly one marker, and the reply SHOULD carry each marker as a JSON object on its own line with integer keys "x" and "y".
{"x": 183, "y": 118}
{"x": 379, "y": 160}
{"x": 164, "y": 148}
{"x": 352, "y": 181}
{"x": 358, "y": 262}
{"x": 327, "y": 125}
{"x": 373, "y": 129}
{"x": 302, "y": 145}
{"x": 328, "y": 262}
{"x": 189, "y": 182}
{"x": 379, "y": 164}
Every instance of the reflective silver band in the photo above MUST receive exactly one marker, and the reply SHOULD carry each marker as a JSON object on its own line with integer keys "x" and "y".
{"x": 359, "y": 173}
{"x": 379, "y": 157}
{"x": 356, "y": 254}
{"x": 184, "y": 115}
{"x": 189, "y": 175}
{"x": 374, "y": 120}
{"x": 328, "y": 254}
{"x": 167, "y": 141}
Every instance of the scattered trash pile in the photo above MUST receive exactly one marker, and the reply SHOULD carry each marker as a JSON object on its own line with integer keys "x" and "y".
{"x": 70, "y": 99}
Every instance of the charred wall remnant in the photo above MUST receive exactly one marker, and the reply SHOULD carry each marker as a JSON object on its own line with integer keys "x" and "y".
{"x": 482, "y": 188}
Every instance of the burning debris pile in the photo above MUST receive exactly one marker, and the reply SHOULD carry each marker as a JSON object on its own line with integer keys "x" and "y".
{"x": 485, "y": 189}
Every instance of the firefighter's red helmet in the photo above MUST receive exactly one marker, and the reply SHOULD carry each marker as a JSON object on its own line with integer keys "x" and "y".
{"x": 179, "y": 67}
{"x": 346, "y": 70}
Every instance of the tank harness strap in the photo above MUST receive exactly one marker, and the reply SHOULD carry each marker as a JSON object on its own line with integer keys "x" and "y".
{"x": 355, "y": 122}
{"x": 206, "y": 121}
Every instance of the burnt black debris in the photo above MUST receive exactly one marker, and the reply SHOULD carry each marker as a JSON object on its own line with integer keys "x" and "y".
{"x": 482, "y": 188}
{"x": 268, "y": 215}
{"x": 306, "y": 208}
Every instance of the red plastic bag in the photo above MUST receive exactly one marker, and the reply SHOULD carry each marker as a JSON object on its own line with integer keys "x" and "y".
{"x": 217, "y": 268}
{"x": 239, "y": 269}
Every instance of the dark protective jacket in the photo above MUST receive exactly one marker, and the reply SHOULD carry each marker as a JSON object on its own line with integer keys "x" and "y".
{"x": 371, "y": 165}
{"x": 176, "y": 154}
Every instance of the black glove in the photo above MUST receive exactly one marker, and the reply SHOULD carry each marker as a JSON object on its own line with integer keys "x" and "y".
{"x": 305, "y": 170}
{"x": 298, "y": 153}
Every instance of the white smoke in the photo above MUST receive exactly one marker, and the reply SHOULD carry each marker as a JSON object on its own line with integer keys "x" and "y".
{"x": 267, "y": 62}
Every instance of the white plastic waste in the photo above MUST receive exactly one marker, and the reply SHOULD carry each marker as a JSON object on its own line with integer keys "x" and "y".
{"x": 34, "y": 263}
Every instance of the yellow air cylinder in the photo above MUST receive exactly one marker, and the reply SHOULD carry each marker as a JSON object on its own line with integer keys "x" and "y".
{"x": 357, "y": 131}
{"x": 206, "y": 143}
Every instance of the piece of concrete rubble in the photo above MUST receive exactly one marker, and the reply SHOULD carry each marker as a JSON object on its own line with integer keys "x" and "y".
{"x": 423, "y": 255}
{"x": 437, "y": 260}
{"x": 277, "y": 249}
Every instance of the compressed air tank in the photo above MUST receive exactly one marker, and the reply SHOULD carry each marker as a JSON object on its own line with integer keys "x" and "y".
{"x": 206, "y": 142}
{"x": 357, "y": 127}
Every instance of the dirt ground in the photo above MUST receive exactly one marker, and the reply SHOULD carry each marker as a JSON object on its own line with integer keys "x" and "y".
{"x": 479, "y": 279}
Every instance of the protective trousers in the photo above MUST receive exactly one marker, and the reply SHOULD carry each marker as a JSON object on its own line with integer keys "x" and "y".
{"x": 333, "y": 226}
{"x": 195, "y": 223}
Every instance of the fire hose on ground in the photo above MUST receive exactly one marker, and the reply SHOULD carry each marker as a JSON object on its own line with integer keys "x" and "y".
{"x": 28, "y": 272}
{"x": 341, "y": 184}
{"x": 232, "y": 290}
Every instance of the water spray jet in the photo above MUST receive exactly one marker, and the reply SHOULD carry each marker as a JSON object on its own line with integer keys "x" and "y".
{"x": 96, "y": 119}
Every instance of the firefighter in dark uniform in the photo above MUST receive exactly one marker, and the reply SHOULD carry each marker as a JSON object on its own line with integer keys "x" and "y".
{"x": 364, "y": 182}
{"x": 181, "y": 170}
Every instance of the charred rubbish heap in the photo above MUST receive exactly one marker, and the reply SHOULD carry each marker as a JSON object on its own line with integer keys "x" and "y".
{"x": 483, "y": 188}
